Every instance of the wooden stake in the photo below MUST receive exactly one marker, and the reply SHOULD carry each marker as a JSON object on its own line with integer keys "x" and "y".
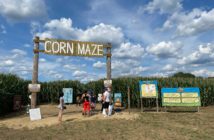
{"x": 129, "y": 99}
{"x": 141, "y": 101}
{"x": 157, "y": 104}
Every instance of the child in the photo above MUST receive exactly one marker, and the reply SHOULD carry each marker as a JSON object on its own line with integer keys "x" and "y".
{"x": 110, "y": 108}
{"x": 93, "y": 102}
{"x": 61, "y": 107}
{"x": 86, "y": 107}
{"x": 78, "y": 100}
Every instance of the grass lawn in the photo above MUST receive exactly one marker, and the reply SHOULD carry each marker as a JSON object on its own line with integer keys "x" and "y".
{"x": 146, "y": 125}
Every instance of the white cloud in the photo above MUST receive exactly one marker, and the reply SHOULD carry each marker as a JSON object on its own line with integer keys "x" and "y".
{"x": 58, "y": 76}
{"x": 3, "y": 29}
{"x": 203, "y": 72}
{"x": 194, "y": 22}
{"x": 49, "y": 69}
{"x": 103, "y": 33}
{"x": 22, "y": 10}
{"x": 165, "y": 49}
{"x": 90, "y": 59}
{"x": 99, "y": 64}
{"x": 35, "y": 27}
{"x": 159, "y": 74}
{"x": 129, "y": 50}
{"x": 63, "y": 28}
{"x": 163, "y": 6}
{"x": 204, "y": 55}
{"x": 28, "y": 46}
{"x": 19, "y": 52}
{"x": 59, "y": 60}
{"x": 46, "y": 34}
{"x": 54, "y": 74}
{"x": 70, "y": 67}
{"x": 58, "y": 28}
{"x": 24, "y": 73}
{"x": 127, "y": 67}
{"x": 138, "y": 70}
{"x": 206, "y": 49}
{"x": 78, "y": 73}
{"x": 9, "y": 63}
{"x": 168, "y": 67}
{"x": 42, "y": 60}
{"x": 16, "y": 62}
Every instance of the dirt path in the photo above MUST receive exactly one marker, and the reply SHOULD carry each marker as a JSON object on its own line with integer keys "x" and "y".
{"x": 49, "y": 117}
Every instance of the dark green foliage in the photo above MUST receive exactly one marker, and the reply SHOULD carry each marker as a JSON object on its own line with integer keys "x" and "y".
{"x": 50, "y": 90}
{"x": 11, "y": 85}
{"x": 6, "y": 102}
{"x": 184, "y": 75}
{"x": 121, "y": 84}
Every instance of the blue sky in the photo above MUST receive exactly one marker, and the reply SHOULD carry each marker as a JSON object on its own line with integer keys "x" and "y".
{"x": 149, "y": 37}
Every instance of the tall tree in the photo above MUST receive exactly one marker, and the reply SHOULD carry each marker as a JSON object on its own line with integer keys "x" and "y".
{"x": 184, "y": 75}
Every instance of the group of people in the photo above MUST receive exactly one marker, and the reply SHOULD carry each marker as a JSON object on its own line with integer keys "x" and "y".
{"x": 88, "y": 100}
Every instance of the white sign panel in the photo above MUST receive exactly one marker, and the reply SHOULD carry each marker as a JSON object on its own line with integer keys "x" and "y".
{"x": 99, "y": 97}
{"x": 35, "y": 114}
{"x": 34, "y": 87}
{"x": 107, "y": 83}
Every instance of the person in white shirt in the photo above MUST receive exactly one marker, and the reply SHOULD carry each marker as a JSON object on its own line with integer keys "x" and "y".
{"x": 107, "y": 97}
{"x": 61, "y": 107}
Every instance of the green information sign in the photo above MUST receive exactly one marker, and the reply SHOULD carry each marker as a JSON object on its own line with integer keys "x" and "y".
{"x": 180, "y": 97}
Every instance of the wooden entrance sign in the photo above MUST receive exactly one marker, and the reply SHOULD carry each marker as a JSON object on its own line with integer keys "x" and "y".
{"x": 68, "y": 48}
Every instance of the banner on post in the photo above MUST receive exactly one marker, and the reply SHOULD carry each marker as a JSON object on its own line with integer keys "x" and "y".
{"x": 34, "y": 87}
{"x": 107, "y": 83}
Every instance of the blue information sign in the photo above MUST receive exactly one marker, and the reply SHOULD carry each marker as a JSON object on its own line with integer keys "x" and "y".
{"x": 68, "y": 95}
{"x": 180, "y": 97}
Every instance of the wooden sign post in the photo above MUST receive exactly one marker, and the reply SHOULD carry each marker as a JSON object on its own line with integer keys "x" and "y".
{"x": 108, "y": 61}
{"x": 68, "y": 48}
{"x": 35, "y": 70}
{"x": 129, "y": 99}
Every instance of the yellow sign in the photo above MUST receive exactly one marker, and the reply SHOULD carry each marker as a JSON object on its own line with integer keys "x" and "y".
{"x": 171, "y": 95}
{"x": 172, "y": 100}
{"x": 148, "y": 90}
{"x": 189, "y": 94}
{"x": 190, "y": 100}
{"x": 73, "y": 48}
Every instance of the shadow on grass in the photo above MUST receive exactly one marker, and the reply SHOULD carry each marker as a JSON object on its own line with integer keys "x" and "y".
{"x": 20, "y": 114}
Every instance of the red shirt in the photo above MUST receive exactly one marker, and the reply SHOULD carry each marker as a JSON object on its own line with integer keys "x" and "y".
{"x": 86, "y": 106}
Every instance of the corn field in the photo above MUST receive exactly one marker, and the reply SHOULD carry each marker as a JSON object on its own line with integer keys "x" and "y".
{"x": 11, "y": 85}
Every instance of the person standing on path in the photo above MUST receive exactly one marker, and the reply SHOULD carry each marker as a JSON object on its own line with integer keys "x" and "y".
{"x": 107, "y": 97}
{"x": 61, "y": 107}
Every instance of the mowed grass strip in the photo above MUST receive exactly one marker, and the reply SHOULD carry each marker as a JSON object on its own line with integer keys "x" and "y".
{"x": 149, "y": 126}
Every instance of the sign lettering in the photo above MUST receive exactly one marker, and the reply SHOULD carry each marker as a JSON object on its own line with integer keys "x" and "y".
{"x": 73, "y": 48}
